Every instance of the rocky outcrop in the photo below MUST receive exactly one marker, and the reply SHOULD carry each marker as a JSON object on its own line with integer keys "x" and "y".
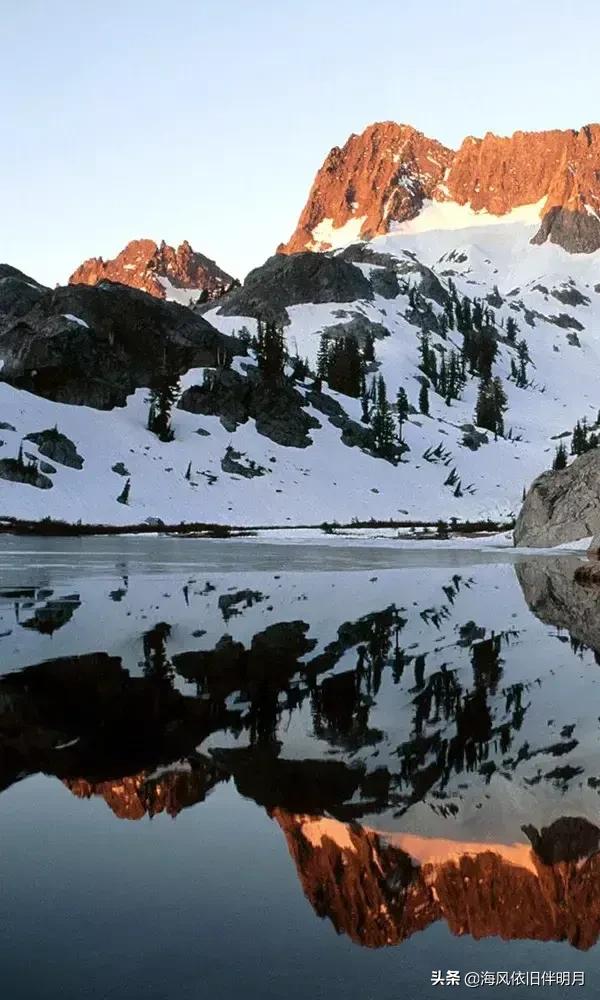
{"x": 18, "y": 292}
{"x": 15, "y": 471}
{"x": 278, "y": 408}
{"x": 562, "y": 505}
{"x": 159, "y": 269}
{"x": 577, "y": 232}
{"x": 94, "y": 346}
{"x": 56, "y": 446}
{"x": 385, "y": 175}
{"x": 284, "y": 281}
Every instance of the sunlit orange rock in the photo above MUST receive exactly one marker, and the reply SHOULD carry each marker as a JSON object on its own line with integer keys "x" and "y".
{"x": 385, "y": 175}
{"x": 157, "y": 269}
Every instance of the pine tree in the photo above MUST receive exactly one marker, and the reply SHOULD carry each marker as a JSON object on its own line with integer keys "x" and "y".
{"x": 383, "y": 422}
{"x": 164, "y": 390}
{"x": 500, "y": 400}
{"x": 345, "y": 366}
{"x": 432, "y": 370}
{"x": 424, "y": 351}
{"x": 560, "y": 457}
{"x": 369, "y": 348}
{"x": 323, "y": 357}
{"x": 365, "y": 400}
{"x": 455, "y": 378}
{"x": 578, "y": 441}
{"x": 523, "y": 356}
{"x": 270, "y": 350}
{"x": 491, "y": 405}
{"x": 124, "y": 494}
{"x": 188, "y": 473}
{"x": 442, "y": 382}
{"x": 424, "y": 398}
{"x": 511, "y": 330}
{"x": 402, "y": 410}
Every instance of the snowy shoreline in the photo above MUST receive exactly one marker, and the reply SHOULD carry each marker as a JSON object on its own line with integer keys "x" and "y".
{"x": 416, "y": 537}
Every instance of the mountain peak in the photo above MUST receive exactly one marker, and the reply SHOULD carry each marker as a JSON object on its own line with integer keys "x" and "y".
{"x": 164, "y": 271}
{"x": 385, "y": 175}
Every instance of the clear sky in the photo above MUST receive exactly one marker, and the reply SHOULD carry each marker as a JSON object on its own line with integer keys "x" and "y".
{"x": 207, "y": 120}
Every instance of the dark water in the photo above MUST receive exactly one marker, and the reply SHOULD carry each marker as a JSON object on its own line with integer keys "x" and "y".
{"x": 240, "y": 770}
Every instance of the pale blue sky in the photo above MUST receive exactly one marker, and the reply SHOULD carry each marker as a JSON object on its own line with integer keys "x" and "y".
{"x": 207, "y": 120}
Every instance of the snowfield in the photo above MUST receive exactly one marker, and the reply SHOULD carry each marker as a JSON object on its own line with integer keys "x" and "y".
{"x": 557, "y": 292}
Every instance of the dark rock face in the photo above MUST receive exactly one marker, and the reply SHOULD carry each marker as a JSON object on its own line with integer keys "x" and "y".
{"x": 232, "y": 462}
{"x": 57, "y": 446}
{"x": 115, "y": 348}
{"x": 18, "y": 292}
{"x": 224, "y": 394}
{"x": 562, "y": 505}
{"x": 570, "y": 295}
{"x": 353, "y": 434}
{"x": 472, "y": 438}
{"x": 278, "y": 409}
{"x": 359, "y": 327}
{"x": 428, "y": 284}
{"x": 577, "y": 232}
{"x": 294, "y": 279}
{"x": 383, "y": 277}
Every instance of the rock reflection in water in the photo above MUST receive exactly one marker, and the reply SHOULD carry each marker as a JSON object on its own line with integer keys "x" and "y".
{"x": 408, "y": 753}
{"x": 379, "y": 890}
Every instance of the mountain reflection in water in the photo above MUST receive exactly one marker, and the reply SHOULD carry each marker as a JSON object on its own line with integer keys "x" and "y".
{"x": 427, "y": 746}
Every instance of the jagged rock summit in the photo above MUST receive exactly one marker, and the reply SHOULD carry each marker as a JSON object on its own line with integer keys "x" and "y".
{"x": 389, "y": 174}
{"x": 178, "y": 273}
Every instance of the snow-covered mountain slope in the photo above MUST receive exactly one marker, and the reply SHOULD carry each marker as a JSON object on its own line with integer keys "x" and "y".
{"x": 217, "y": 470}
{"x": 552, "y": 295}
